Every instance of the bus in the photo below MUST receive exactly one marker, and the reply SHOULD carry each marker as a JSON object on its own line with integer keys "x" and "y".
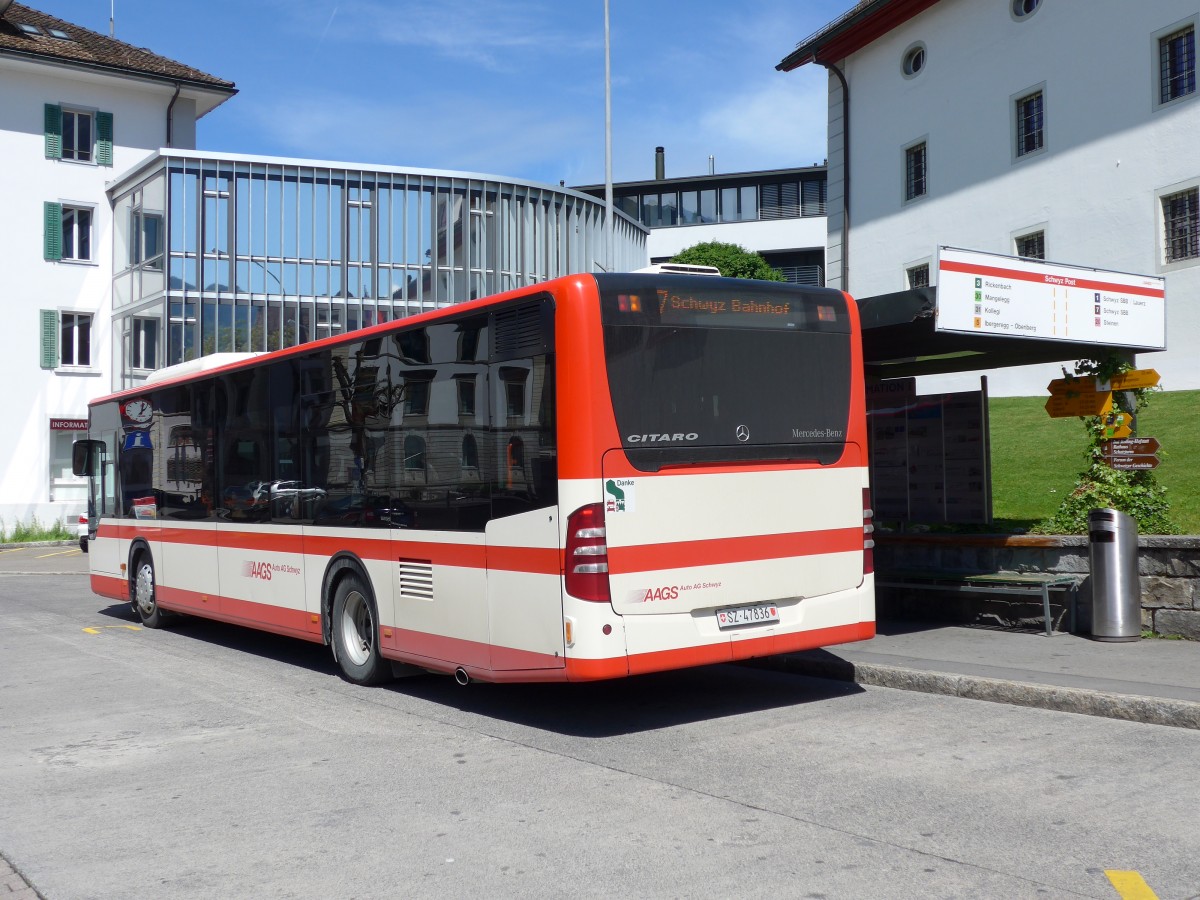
{"x": 594, "y": 477}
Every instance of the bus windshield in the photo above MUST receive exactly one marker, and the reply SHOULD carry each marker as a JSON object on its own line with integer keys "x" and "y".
{"x": 714, "y": 371}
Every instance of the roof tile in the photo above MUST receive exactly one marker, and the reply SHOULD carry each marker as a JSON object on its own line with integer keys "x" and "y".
{"x": 86, "y": 47}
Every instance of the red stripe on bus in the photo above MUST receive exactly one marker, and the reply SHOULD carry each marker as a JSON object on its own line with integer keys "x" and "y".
{"x": 1018, "y": 275}
{"x": 748, "y": 648}
{"x": 689, "y": 554}
{"x": 110, "y": 586}
{"x": 534, "y": 560}
{"x": 277, "y": 619}
{"x": 444, "y": 654}
{"x": 485, "y": 662}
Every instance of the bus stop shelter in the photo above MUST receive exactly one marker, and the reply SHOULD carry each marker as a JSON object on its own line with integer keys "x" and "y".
{"x": 900, "y": 339}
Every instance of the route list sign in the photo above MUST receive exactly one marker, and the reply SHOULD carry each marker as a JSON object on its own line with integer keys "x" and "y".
{"x": 980, "y": 293}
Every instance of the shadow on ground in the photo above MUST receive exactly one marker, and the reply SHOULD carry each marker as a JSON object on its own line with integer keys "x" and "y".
{"x": 592, "y": 709}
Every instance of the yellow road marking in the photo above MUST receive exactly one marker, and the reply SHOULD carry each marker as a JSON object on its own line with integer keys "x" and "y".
{"x": 13, "y": 550}
{"x": 1130, "y": 885}
{"x": 59, "y": 553}
{"x": 98, "y": 629}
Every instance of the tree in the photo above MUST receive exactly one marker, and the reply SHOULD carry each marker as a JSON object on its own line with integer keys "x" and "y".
{"x": 732, "y": 260}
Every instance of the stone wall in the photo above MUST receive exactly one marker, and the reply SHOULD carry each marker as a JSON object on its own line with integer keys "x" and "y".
{"x": 1168, "y": 568}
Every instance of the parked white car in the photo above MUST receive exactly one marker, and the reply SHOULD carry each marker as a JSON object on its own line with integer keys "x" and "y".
{"x": 82, "y": 531}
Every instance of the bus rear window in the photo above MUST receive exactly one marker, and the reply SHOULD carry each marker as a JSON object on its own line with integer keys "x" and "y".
{"x": 728, "y": 374}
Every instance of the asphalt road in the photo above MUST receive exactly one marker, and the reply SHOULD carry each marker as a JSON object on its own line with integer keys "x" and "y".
{"x": 213, "y": 761}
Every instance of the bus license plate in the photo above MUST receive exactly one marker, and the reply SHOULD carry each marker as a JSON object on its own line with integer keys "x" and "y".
{"x": 747, "y": 615}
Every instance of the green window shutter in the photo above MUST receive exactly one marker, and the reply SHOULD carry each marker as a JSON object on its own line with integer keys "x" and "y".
{"x": 104, "y": 139}
{"x": 53, "y": 214}
{"x": 53, "y": 131}
{"x": 49, "y": 339}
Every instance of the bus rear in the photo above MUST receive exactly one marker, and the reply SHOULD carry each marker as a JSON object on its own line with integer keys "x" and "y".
{"x": 713, "y": 473}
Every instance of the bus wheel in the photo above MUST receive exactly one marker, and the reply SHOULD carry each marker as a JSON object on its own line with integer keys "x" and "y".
{"x": 356, "y": 634}
{"x": 144, "y": 602}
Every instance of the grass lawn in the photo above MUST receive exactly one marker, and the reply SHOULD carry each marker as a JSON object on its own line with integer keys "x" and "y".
{"x": 1036, "y": 459}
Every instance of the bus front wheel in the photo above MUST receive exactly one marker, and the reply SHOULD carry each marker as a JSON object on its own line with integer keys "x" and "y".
{"x": 355, "y": 634}
{"x": 145, "y": 603}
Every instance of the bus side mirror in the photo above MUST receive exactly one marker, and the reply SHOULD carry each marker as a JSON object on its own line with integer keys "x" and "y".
{"x": 84, "y": 453}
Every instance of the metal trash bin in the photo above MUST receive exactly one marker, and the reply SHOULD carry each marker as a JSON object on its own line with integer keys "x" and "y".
{"x": 1116, "y": 590}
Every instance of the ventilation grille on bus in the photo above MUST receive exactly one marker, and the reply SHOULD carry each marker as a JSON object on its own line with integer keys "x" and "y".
{"x": 416, "y": 579}
{"x": 518, "y": 332}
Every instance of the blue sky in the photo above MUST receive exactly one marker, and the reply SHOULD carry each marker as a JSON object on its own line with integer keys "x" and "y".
{"x": 507, "y": 87}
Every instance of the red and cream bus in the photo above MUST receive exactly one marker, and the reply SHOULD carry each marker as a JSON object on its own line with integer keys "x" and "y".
{"x": 589, "y": 478}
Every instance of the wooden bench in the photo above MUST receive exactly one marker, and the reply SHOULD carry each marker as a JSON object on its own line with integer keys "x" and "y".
{"x": 1036, "y": 583}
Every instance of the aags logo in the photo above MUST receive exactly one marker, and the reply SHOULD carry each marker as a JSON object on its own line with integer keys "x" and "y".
{"x": 661, "y": 593}
{"x": 259, "y": 570}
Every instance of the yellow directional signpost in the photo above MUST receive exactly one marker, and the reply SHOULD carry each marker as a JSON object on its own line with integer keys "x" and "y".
{"x": 1072, "y": 396}
{"x": 1134, "y": 379}
{"x": 1117, "y": 425}
{"x": 1077, "y": 397}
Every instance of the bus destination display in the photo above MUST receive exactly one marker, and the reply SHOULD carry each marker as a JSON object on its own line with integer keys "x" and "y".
{"x": 750, "y": 310}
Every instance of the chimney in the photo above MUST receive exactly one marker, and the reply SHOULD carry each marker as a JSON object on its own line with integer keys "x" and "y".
{"x": 712, "y": 165}
{"x": 660, "y": 164}
{"x": 4, "y": 5}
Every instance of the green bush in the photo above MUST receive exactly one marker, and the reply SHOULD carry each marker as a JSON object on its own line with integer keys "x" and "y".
{"x": 1135, "y": 493}
{"x": 732, "y": 260}
{"x": 34, "y": 531}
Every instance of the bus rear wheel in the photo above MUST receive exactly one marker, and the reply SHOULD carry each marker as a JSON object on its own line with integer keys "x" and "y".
{"x": 145, "y": 603}
{"x": 355, "y": 634}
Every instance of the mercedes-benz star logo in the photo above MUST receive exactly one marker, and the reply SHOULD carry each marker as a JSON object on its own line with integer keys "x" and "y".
{"x": 743, "y": 433}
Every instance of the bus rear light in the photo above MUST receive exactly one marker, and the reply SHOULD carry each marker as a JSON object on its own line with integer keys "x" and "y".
{"x": 586, "y": 556}
{"x": 868, "y": 530}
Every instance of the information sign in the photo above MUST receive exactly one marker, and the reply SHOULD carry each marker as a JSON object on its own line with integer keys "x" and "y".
{"x": 1132, "y": 446}
{"x": 1132, "y": 454}
{"x": 981, "y": 293}
{"x": 1091, "y": 403}
{"x": 1132, "y": 463}
{"x": 1134, "y": 379}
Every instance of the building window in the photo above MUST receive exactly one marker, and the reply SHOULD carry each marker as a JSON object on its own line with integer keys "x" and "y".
{"x": 76, "y": 233}
{"x": 466, "y": 395}
{"x": 1177, "y": 64}
{"x": 66, "y": 339}
{"x": 915, "y": 171}
{"x": 75, "y": 339}
{"x": 1030, "y": 123}
{"x": 143, "y": 351}
{"x": 470, "y": 452}
{"x": 739, "y": 204}
{"x": 514, "y": 399}
{"x": 918, "y": 276}
{"x": 78, "y": 135}
{"x": 416, "y": 396}
{"x": 913, "y": 61}
{"x": 1023, "y": 8}
{"x": 68, "y": 232}
{"x": 414, "y": 453}
{"x": 1032, "y": 246}
{"x": 1181, "y": 224}
{"x": 64, "y": 485}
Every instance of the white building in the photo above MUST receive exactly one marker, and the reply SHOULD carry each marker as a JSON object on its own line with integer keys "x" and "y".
{"x": 777, "y": 213}
{"x": 76, "y": 109}
{"x": 123, "y": 252}
{"x": 1066, "y": 131}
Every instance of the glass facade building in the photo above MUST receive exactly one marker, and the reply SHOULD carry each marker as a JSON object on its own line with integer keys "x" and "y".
{"x": 228, "y": 253}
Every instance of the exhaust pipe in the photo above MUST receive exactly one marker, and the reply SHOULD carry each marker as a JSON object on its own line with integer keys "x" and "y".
{"x": 461, "y": 676}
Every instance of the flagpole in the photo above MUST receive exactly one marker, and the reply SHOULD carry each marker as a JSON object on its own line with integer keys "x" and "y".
{"x": 610, "y": 225}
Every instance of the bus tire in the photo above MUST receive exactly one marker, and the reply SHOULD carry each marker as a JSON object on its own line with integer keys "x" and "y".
{"x": 355, "y": 633}
{"x": 143, "y": 592}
